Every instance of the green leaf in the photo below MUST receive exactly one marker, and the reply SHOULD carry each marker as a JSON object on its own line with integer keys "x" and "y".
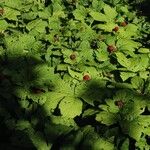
{"x": 135, "y": 130}
{"x": 139, "y": 63}
{"x": 27, "y": 41}
{"x": 106, "y": 27}
{"x": 137, "y": 82}
{"x": 144, "y": 74}
{"x": 3, "y": 25}
{"x": 70, "y": 107}
{"x": 67, "y": 53}
{"x": 80, "y": 13}
{"x": 127, "y": 45}
{"x": 98, "y": 16}
{"x": 103, "y": 144}
{"x": 10, "y": 3}
{"x": 110, "y": 12}
{"x": 93, "y": 90}
{"x": 123, "y": 60}
{"x": 23, "y": 124}
{"x": 144, "y": 50}
{"x": 131, "y": 30}
{"x": 92, "y": 141}
{"x": 97, "y": 5}
{"x": 38, "y": 25}
{"x": 29, "y": 15}
{"x": 125, "y": 145}
{"x": 110, "y": 40}
{"x": 11, "y": 14}
{"x": 61, "y": 120}
{"x": 125, "y": 75}
{"x": 106, "y": 118}
{"x": 51, "y": 103}
{"x": 102, "y": 55}
{"x": 89, "y": 112}
{"x": 38, "y": 140}
{"x": 75, "y": 74}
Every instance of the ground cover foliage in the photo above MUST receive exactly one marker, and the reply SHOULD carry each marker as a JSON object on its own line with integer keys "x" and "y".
{"x": 74, "y": 75}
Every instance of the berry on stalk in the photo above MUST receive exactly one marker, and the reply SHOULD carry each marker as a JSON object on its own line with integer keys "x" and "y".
{"x": 1, "y": 11}
{"x": 72, "y": 56}
{"x": 86, "y": 77}
{"x": 123, "y": 24}
{"x": 116, "y": 29}
{"x": 119, "y": 103}
{"x": 111, "y": 48}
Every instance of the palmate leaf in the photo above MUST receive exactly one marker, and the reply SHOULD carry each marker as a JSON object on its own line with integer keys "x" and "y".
{"x": 136, "y": 127}
{"x": 91, "y": 91}
{"x": 139, "y": 63}
{"x": 97, "y": 5}
{"x": 110, "y": 12}
{"x": 80, "y": 13}
{"x": 135, "y": 130}
{"x": 107, "y": 118}
{"x": 13, "y": 45}
{"x": 108, "y": 27}
{"x": 27, "y": 41}
{"x": 23, "y": 124}
{"x": 61, "y": 120}
{"x": 92, "y": 141}
{"x": 52, "y": 101}
{"x": 11, "y": 14}
{"x": 125, "y": 75}
{"x": 38, "y": 139}
{"x": 137, "y": 82}
{"x": 110, "y": 106}
{"x": 10, "y": 3}
{"x": 29, "y": 15}
{"x": 67, "y": 53}
{"x": 85, "y": 44}
{"x": 38, "y": 25}
{"x": 75, "y": 74}
{"x": 123, "y": 60}
{"x": 86, "y": 33}
{"x": 102, "y": 55}
{"x": 124, "y": 95}
{"x": 125, "y": 145}
{"x": 72, "y": 140}
{"x": 3, "y": 25}
{"x": 144, "y": 50}
{"x": 142, "y": 144}
{"x": 70, "y": 107}
{"x": 127, "y": 45}
{"x": 108, "y": 16}
{"x": 110, "y": 40}
{"x": 38, "y": 98}
{"x": 131, "y": 30}
{"x": 98, "y": 16}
